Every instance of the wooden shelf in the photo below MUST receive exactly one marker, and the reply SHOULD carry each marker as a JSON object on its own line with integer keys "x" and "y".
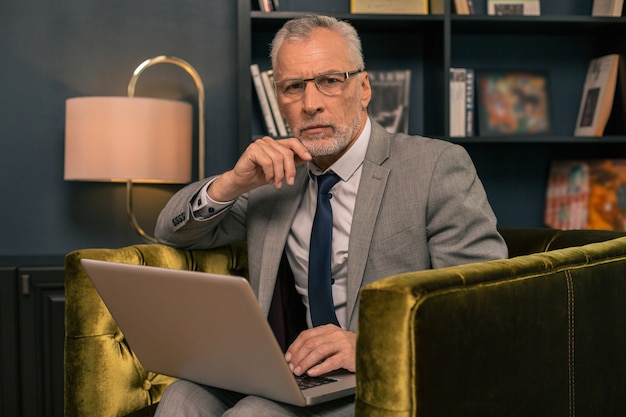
{"x": 369, "y": 22}
{"x": 536, "y": 25}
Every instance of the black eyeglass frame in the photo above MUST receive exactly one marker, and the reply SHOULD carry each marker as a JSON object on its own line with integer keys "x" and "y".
{"x": 347, "y": 75}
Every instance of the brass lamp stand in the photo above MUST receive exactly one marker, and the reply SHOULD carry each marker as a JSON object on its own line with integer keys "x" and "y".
{"x": 131, "y": 93}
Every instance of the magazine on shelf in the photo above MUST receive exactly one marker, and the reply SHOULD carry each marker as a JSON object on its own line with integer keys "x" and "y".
{"x": 512, "y": 102}
{"x": 587, "y": 194}
{"x": 513, "y": 7}
{"x": 567, "y": 195}
{"x": 389, "y": 105}
{"x": 603, "y": 100}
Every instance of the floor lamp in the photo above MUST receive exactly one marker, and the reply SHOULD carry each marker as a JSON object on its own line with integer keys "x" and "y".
{"x": 133, "y": 139}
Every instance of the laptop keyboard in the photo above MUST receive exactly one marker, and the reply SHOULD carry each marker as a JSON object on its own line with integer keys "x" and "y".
{"x": 305, "y": 381}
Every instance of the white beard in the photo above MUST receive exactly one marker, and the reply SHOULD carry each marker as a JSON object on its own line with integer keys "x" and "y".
{"x": 320, "y": 145}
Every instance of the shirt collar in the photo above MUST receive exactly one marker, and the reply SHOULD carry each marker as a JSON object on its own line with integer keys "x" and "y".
{"x": 349, "y": 162}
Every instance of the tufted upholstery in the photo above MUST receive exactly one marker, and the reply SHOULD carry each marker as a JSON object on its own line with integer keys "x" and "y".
{"x": 103, "y": 378}
{"x": 497, "y": 338}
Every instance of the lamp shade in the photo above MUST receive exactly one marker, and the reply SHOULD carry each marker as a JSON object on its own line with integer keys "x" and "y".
{"x": 128, "y": 138}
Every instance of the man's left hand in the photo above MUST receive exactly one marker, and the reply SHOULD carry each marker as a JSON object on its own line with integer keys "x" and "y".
{"x": 321, "y": 350}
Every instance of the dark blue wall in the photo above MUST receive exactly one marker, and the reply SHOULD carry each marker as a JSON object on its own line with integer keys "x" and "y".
{"x": 52, "y": 51}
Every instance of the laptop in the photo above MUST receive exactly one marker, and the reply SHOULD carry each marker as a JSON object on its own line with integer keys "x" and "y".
{"x": 205, "y": 328}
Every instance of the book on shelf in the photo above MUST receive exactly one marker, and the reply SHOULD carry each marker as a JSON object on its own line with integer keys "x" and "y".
{"x": 616, "y": 125}
{"x": 389, "y": 6}
{"x": 603, "y": 100}
{"x": 270, "y": 125}
{"x": 457, "y": 101}
{"x": 586, "y": 194}
{"x": 512, "y": 102}
{"x": 567, "y": 195}
{"x": 461, "y": 102}
{"x": 608, "y": 8}
{"x": 470, "y": 5}
{"x": 458, "y": 6}
{"x": 436, "y": 6}
{"x": 389, "y": 105}
{"x": 266, "y": 5}
{"x": 470, "y": 86}
{"x": 281, "y": 124}
{"x": 513, "y": 7}
{"x": 463, "y": 7}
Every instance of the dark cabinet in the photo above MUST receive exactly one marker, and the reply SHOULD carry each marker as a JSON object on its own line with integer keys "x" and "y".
{"x": 32, "y": 302}
{"x": 9, "y": 345}
{"x": 42, "y": 332}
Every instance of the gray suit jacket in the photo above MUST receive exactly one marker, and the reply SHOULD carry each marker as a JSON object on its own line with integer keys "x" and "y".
{"x": 419, "y": 205}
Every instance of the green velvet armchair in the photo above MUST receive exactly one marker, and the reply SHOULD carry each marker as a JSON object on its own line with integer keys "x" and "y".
{"x": 540, "y": 334}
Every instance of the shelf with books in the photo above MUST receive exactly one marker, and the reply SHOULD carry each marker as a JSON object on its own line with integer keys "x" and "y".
{"x": 536, "y": 52}
{"x": 561, "y": 41}
{"x": 537, "y": 25}
{"x": 384, "y": 44}
{"x": 515, "y": 175}
{"x": 548, "y": 7}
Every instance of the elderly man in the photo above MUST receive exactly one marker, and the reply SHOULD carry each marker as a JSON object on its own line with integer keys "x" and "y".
{"x": 394, "y": 203}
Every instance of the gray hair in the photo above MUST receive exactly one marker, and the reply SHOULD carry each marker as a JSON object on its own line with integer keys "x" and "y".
{"x": 300, "y": 29}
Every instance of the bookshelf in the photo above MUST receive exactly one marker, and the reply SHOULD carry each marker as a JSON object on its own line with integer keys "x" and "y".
{"x": 514, "y": 169}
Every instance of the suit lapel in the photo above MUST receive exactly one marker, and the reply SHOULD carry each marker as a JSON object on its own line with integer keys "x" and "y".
{"x": 282, "y": 212}
{"x": 367, "y": 206}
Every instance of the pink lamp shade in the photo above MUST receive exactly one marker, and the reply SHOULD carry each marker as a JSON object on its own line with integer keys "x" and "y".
{"x": 128, "y": 138}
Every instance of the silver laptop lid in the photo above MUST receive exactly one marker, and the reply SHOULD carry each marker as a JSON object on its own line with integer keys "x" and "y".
{"x": 206, "y": 328}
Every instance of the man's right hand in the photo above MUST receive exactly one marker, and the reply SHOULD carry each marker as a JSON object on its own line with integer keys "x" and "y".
{"x": 265, "y": 161}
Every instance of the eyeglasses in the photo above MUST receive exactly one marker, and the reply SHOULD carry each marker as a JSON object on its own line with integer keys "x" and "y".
{"x": 330, "y": 84}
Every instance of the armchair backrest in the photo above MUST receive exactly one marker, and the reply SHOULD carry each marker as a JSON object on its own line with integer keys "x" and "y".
{"x": 527, "y": 240}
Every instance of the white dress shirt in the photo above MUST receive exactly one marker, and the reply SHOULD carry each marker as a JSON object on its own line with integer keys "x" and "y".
{"x": 348, "y": 168}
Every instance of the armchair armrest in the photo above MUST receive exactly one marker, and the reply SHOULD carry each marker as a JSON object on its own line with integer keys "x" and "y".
{"x": 539, "y": 334}
{"x": 103, "y": 377}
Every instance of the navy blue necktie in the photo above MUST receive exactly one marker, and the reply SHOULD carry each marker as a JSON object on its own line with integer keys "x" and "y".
{"x": 320, "y": 275}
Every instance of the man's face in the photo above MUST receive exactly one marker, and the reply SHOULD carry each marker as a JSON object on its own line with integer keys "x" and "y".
{"x": 326, "y": 125}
